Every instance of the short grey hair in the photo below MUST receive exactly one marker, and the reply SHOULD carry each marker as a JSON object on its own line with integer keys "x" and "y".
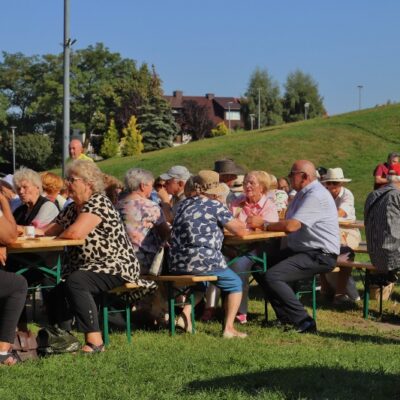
{"x": 135, "y": 177}
{"x": 26, "y": 174}
{"x": 89, "y": 172}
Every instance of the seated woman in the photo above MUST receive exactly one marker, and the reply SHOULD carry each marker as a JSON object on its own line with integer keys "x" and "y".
{"x": 343, "y": 286}
{"x": 106, "y": 260}
{"x": 144, "y": 220}
{"x": 13, "y": 288}
{"x": 52, "y": 185}
{"x": 255, "y": 201}
{"x": 196, "y": 242}
{"x": 279, "y": 197}
{"x": 36, "y": 209}
{"x": 113, "y": 188}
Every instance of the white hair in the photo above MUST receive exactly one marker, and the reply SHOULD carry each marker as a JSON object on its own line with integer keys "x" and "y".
{"x": 136, "y": 176}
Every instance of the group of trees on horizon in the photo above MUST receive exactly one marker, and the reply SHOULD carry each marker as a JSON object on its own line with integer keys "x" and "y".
{"x": 300, "y": 89}
{"x": 106, "y": 92}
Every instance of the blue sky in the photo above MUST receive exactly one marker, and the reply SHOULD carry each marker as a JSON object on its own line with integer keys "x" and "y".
{"x": 213, "y": 46}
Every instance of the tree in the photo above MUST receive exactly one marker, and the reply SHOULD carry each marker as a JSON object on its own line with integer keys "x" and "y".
{"x": 4, "y": 105}
{"x": 157, "y": 124}
{"x": 110, "y": 145}
{"x": 220, "y": 130}
{"x": 132, "y": 141}
{"x": 301, "y": 89}
{"x": 195, "y": 120}
{"x": 263, "y": 87}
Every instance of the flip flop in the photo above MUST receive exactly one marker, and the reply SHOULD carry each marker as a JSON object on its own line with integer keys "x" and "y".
{"x": 95, "y": 349}
{"x": 15, "y": 359}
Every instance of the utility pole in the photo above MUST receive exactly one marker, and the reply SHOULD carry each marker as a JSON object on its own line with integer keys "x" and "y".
{"x": 259, "y": 108}
{"x": 13, "y": 128}
{"x": 66, "y": 97}
{"x": 360, "y": 87}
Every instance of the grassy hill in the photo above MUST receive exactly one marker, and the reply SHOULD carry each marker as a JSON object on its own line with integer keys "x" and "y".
{"x": 356, "y": 142}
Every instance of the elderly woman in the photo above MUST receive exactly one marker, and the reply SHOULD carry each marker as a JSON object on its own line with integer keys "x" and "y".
{"x": 344, "y": 286}
{"x": 144, "y": 220}
{"x": 106, "y": 260}
{"x": 13, "y": 288}
{"x": 255, "y": 201}
{"x": 36, "y": 209}
{"x": 196, "y": 242}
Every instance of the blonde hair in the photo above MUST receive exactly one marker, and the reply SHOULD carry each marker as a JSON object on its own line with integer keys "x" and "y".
{"x": 89, "y": 172}
{"x": 52, "y": 183}
{"x": 26, "y": 174}
{"x": 263, "y": 179}
{"x": 274, "y": 182}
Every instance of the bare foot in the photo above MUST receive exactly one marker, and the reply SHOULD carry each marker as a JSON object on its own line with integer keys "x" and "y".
{"x": 233, "y": 333}
{"x": 184, "y": 323}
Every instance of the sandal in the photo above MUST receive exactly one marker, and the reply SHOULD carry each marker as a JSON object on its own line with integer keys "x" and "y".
{"x": 95, "y": 349}
{"x": 15, "y": 359}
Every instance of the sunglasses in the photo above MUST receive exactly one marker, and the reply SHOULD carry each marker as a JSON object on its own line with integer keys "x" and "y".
{"x": 72, "y": 179}
{"x": 160, "y": 185}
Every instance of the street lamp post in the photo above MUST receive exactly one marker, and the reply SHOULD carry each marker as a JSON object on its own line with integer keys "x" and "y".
{"x": 13, "y": 128}
{"x": 229, "y": 115}
{"x": 306, "y": 107}
{"x": 360, "y": 87}
{"x": 259, "y": 108}
{"x": 252, "y": 116}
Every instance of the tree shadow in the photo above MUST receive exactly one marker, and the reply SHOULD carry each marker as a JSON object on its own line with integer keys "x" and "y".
{"x": 308, "y": 382}
{"x": 360, "y": 338}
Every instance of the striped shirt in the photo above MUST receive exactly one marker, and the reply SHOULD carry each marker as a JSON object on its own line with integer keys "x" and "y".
{"x": 382, "y": 227}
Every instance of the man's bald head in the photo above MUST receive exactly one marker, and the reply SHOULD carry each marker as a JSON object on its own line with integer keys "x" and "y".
{"x": 75, "y": 148}
{"x": 302, "y": 173}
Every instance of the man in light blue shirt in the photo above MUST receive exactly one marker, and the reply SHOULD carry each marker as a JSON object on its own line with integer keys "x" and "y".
{"x": 313, "y": 245}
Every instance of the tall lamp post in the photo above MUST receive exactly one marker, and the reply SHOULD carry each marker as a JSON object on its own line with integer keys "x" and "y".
{"x": 13, "y": 128}
{"x": 360, "y": 87}
{"x": 229, "y": 115}
{"x": 259, "y": 108}
{"x": 306, "y": 107}
{"x": 252, "y": 116}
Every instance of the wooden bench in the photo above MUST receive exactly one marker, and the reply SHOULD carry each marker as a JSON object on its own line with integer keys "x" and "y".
{"x": 124, "y": 292}
{"x": 368, "y": 268}
{"x": 177, "y": 285}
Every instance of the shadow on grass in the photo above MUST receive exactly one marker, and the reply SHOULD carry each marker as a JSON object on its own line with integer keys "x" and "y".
{"x": 356, "y": 337}
{"x": 308, "y": 382}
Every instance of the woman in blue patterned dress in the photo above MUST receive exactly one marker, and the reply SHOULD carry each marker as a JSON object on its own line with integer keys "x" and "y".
{"x": 196, "y": 242}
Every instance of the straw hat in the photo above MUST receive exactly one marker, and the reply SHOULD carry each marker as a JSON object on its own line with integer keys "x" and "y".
{"x": 335, "y": 175}
{"x": 207, "y": 182}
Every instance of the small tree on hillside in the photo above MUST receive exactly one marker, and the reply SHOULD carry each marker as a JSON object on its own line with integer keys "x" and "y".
{"x": 220, "y": 130}
{"x": 301, "y": 89}
{"x": 110, "y": 145}
{"x": 132, "y": 141}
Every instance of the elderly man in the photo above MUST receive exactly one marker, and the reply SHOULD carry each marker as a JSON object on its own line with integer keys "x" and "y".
{"x": 76, "y": 151}
{"x": 175, "y": 179}
{"x": 382, "y": 227}
{"x": 313, "y": 245}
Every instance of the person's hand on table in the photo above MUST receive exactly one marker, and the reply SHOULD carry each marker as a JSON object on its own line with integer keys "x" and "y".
{"x": 20, "y": 230}
{"x": 3, "y": 255}
{"x": 255, "y": 222}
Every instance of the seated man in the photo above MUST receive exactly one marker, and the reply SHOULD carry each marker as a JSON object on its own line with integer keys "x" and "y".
{"x": 313, "y": 245}
{"x": 381, "y": 171}
{"x": 382, "y": 227}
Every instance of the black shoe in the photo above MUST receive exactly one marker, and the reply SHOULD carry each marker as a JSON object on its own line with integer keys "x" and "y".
{"x": 307, "y": 326}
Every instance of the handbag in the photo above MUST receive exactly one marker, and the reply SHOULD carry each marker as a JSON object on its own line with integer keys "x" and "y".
{"x": 25, "y": 345}
{"x": 53, "y": 340}
{"x": 158, "y": 261}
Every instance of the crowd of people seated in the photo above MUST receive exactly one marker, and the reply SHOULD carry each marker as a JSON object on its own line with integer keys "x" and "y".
{"x": 123, "y": 225}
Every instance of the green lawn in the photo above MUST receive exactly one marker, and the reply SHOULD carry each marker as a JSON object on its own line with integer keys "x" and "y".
{"x": 350, "y": 359}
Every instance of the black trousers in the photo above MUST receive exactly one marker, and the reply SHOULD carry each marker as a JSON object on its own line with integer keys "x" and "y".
{"x": 13, "y": 290}
{"x": 75, "y": 297}
{"x": 292, "y": 267}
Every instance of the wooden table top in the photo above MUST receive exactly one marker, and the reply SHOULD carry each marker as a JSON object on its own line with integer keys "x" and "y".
{"x": 44, "y": 243}
{"x": 352, "y": 224}
{"x": 252, "y": 236}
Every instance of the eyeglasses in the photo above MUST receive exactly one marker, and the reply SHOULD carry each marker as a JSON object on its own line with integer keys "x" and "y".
{"x": 332, "y": 183}
{"x": 72, "y": 179}
{"x": 293, "y": 173}
{"x": 160, "y": 185}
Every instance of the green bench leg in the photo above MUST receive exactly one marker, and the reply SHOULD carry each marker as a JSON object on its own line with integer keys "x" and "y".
{"x": 128, "y": 319}
{"x": 192, "y": 311}
{"x": 106, "y": 334}
{"x": 366, "y": 294}
{"x": 171, "y": 308}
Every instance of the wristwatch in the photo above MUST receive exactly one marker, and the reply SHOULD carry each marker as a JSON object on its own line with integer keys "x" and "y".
{"x": 266, "y": 226}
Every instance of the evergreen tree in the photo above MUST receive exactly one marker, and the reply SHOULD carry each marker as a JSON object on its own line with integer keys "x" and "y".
{"x": 301, "y": 89}
{"x": 220, "y": 130}
{"x": 157, "y": 124}
{"x": 132, "y": 141}
{"x": 264, "y": 89}
{"x": 110, "y": 145}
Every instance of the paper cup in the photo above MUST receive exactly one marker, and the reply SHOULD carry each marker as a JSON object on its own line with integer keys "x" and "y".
{"x": 30, "y": 231}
